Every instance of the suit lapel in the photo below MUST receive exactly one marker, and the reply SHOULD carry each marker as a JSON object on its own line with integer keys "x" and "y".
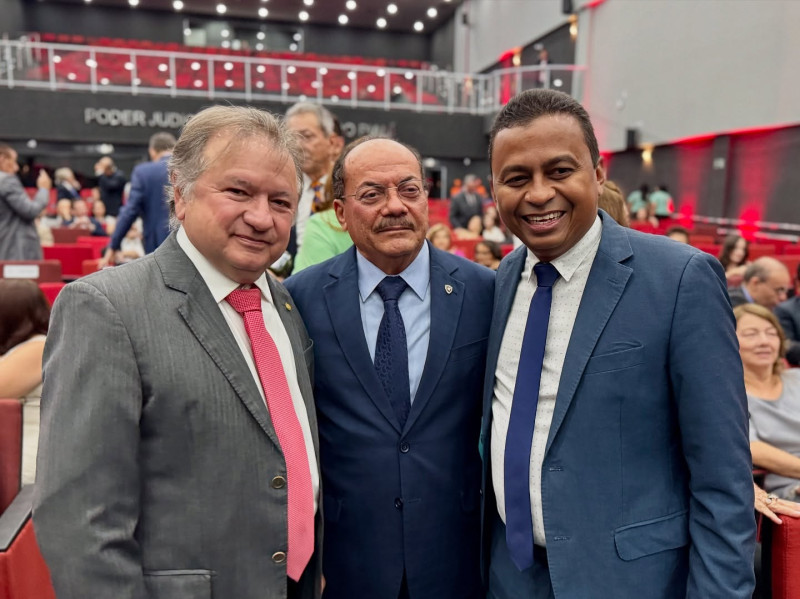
{"x": 445, "y": 314}
{"x": 342, "y": 301}
{"x": 206, "y": 322}
{"x": 606, "y": 283}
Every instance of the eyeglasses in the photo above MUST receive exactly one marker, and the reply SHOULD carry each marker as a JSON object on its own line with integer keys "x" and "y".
{"x": 409, "y": 192}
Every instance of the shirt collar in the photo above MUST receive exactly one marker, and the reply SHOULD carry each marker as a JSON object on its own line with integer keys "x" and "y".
{"x": 416, "y": 275}
{"x": 747, "y": 295}
{"x": 218, "y": 284}
{"x": 568, "y": 262}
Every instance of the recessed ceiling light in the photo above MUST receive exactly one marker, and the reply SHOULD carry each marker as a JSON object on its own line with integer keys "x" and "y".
{"x": 392, "y": 9}
{"x": 291, "y": 69}
{"x": 88, "y": 1}
{"x": 261, "y": 68}
{"x": 323, "y": 71}
{"x": 178, "y": 5}
{"x": 224, "y": 33}
{"x": 308, "y": 2}
{"x": 285, "y": 85}
{"x": 198, "y": 83}
{"x": 221, "y": 8}
{"x": 343, "y": 19}
{"x": 260, "y": 84}
{"x": 187, "y": 31}
{"x": 557, "y": 83}
{"x": 351, "y": 75}
{"x": 397, "y": 89}
{"x": 128, "y": 66}
{"x": 261, "y": 35}
{"x": 228, "y": 66}
{"x": 419, "y": 26}
{"x": 303, "y": 16}
{"x": 228, "y": 83}
{"x": 432, "y": 12}
{"x": 297, "y": 36}
{"x": 137, "y": 81}
{"x": 168, "y": 82}
{"x": 409, "y": 75}
{"x": 104, "y": 81}
{"x": 163, "y": 68}
{"x": 195, "y": 66}
{"x": 226, "y": 44}
{"x": 263, "y": 13}
{"x": 259, "y": 46}
{"x": 345, "y": 89}
{"x": 315, "y": 84}
{"x": 56, "y": 59}
{"x": 351, "y": 5}
{"x": 334, "y": 98}
{"x": 71, "y": 76}
{"x": 371, "y": 88}
{"x": 91, "y": 63}
{"x": 381, "y": 73}
{"x": 303, "y": 97}
{"x": 293, "y": 47}
{"x": 133, "y": 2}
{"x": 381, "y": 22}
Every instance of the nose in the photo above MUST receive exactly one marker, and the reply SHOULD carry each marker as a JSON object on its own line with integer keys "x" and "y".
{"x": 538, "y": 191}
{"x": 393, "y": 203}
{"x": 259, "y": 215}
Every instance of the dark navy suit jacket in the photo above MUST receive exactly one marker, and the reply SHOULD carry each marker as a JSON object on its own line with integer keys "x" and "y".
{"x": 147, "y": 199}
{"x": 647, "y": 486}
{"x": 399, "y": 499}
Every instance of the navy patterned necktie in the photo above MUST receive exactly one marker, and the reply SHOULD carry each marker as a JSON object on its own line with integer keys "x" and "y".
{"x": 519, "y": 525}
{"x": 391, "y": 350}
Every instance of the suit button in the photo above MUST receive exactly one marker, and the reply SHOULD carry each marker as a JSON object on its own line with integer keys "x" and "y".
{"x": 398, "y": 503}
{"x": 278, "y": 482}
{"x": 404, "y": 447}
{"x": 279, "y": 557}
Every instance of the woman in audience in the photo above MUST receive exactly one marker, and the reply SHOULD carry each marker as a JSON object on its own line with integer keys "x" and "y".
{"x": 441, "y": 238}
{"x": 491, "y": 226}
{"x": 773, "y": 398}
{"x": 323, "y": 238}
{"x": 488, "y": 254}
{"x": 99, "y": 212}
{"x": 612, "y": 201}
{"x": 24, "y": 318}
{"x": 733, "y": 257}
{"x": 474, "y": 229}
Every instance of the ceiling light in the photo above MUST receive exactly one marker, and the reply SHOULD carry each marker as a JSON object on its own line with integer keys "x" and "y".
{"x": 392, "y": 9}
{"x": 228, "y": 66}
{"x": 168, "y": 82}
{"x": 308, "y": 2}
{"x": 133, "y": 2}
{"x": 229, "y": 83}
{"x": 418, "y": 26}
{"x": 261, "y": 68}
{"x": 293, "y": 47}
{"x": 285, "y": 85}
{"x": 195, "y": 66}
{"x": 381, "y": 73}
{"x": 137, "y": 81}
{"x": 225, "y": 33}
{"x": 334, "y": 98}
{"x": 351, "y": 75}
{"x": 260, "y": 84}
{"x": 381, "y": 22}
{"x": 351, "y": 4}
{"x": 397, "y": 90}
{"x": 187, "y": 31}
{"x": 371, "y": 88}
{"x": 163, "y": 68}
{"x": 323, "y": 71}
{"x": 221, "y": 8}
{"x": 291, "y": 69}
{"x": 259, "y": 46}
{"x": 128, "y": 66}
{"x": 557, "y": 83}
{"x": 263, "y": 13}
{"x": 178, "y": 5}
{"x": 303, "y": 97}
{"x": 71, "y": 76}
{"x": 432, "y": 12}
{"x": 88, "y": 1}
{"x": 261, "y": 35}
{"x": 315, "y": 84}
{"x": 198, "y": 83}
{"x": 104, "y": 81}
{"x": 226, "y": 44}
{"x": 303, "y": 16}
{"x": 343, "y": 19}
{"x": 56, "y": 58}
{"x": 409, "y": 75}
{"x": 91, "y": 63}
{"x": 297, "y": 36}
{"x": 345, "y": 89}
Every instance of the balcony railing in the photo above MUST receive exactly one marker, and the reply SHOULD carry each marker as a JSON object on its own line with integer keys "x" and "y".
{"x": 32, "y": 64}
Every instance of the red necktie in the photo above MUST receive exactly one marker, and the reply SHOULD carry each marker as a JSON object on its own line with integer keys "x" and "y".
{"x": 247, "y": 302}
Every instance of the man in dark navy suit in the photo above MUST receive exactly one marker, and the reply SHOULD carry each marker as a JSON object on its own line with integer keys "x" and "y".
{"x": 400, "y": 331}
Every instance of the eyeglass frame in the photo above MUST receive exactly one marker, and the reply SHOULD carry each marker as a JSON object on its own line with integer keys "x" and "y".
{"x": 426, "y": 188}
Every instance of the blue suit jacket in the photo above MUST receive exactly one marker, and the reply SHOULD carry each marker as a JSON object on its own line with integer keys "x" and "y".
{"x": 397, "y": 498}
{"x": 646, "y": 484}
{"x": 147, "y": 199}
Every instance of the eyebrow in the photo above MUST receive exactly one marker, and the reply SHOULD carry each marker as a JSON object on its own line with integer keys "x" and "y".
{"x": 374, "y": 184}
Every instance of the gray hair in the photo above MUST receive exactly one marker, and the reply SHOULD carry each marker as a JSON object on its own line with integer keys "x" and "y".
{"x": 189, "y": 161}
{"x": 162, "y": 142}
{"x": 324, "y": 117}
{"x": 762, "y": 268}
{"x": 62, "y": 174}
{"x": 338, "y": 174}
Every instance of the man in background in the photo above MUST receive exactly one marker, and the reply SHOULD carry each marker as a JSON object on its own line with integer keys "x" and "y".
{"x": 466, "y": 204}
{"x": 111, "y": 183}
{"x": 147, "y": 199}
{"x": 766, "y": 282}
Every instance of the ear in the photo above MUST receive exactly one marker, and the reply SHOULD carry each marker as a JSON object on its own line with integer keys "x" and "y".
{"x": 180, "y": 200}
{"x": 492, "y": 193}
{"x": 600, "y": 174}
{"x": 338, "y": 205}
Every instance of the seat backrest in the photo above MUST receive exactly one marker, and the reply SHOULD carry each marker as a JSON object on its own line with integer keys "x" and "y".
{"x": 66, "y": 235}
{"x": 10, "y": 450}
{"x": 785, "y": 558}
{"x": 41, "y": 271}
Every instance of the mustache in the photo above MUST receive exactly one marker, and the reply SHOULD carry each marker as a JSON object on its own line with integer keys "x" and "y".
{"x": 391, "y": 222}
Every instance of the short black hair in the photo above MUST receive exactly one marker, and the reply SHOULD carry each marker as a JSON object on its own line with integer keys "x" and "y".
{"x": 534, "y": 103}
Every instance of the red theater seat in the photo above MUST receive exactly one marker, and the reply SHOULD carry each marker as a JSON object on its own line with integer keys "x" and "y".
{"x": 97, "y": 243}
{"x": 467, "y": 246}
{"x": 70, "y": 256}
{"x": 784, "y": 558}
{"x": 51, "y": 290}
{"x": 41, "y": 271}
{"x": 758, "y": 250}
{"x": 66, "y": 235}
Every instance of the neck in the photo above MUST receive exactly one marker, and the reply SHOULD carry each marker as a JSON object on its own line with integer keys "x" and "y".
{"x": 760, "y": 376}
{"x": 319, "y": 173}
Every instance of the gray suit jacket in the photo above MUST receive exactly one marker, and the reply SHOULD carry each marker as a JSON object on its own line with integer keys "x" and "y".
{"x": 157, "y": 453}
{"x": 18, "y": 237}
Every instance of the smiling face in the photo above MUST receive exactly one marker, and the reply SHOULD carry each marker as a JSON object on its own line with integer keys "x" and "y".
{"x": 545, "y": 185}
{"x": 390, "y": 233}
{"x": 240, "y": 211}
{"x": 759, "y": 342}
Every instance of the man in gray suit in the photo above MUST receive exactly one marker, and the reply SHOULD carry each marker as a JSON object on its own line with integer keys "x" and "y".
{"x": 177, "y": 460}
{"x": 18, "y": 237}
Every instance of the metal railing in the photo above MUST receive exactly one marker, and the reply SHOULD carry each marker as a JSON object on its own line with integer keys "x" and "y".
{"x": 31, "y": 64}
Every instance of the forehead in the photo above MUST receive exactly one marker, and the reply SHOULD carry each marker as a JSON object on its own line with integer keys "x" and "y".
{"x": 304, "y": 120}
{"x": 380, "y": 160}
{"x": 540, "y": 139}
{"x": 751, "y": 320}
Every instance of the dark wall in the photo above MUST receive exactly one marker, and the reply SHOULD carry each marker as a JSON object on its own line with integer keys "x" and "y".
{"x": 366, "y": 42}
{"x": 443, "y": 42}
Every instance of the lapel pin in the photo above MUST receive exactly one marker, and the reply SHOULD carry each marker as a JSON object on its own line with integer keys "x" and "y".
{"x": 288, "y": 306}
{"x": 448, "y": 289}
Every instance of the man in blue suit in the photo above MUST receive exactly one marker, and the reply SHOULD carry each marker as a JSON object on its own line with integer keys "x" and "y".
{"x": 616, "y": 461}
{"x": 147, "y": 199}
{"x": 400, "y": 332}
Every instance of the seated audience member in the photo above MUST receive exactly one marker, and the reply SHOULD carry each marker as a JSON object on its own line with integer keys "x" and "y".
{"x": 474, "y": 229}
{"x": 661, "y": 203}
{"x": 638, "y": 203}
{"x": 63, "y": 213}
{"x": 24, "y": 318}
{"x": 733, "y": 257}
{"x": 488, "y": 253}
{"x": 323, "y": 238}
{"x": 43, "y": 229}
{"x": 67, "y": 186}
{"x": 441, "y": 238}
{"x": 131, "y": 248}
{"x": 678, "y": 233}
{"x": 788, "y": 314}
{"x": 613, "y": 203}
{"x": 491, "y": 226}
{"x": 766, "y": 282}
{"x": 773, "y": 398}
{"x": 771, "y": 505}
{"x": 81, "y": 219}
{"x": 99, "y": 212}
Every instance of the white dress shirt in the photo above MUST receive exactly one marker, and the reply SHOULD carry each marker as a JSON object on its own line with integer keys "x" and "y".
{"x": 220, "y": 287}
{"x": 574, "y": 267}
{"x": 304, "y": 206}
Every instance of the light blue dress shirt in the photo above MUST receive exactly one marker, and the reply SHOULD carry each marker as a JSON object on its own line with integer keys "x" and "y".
{"x": 414, "y": 305}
